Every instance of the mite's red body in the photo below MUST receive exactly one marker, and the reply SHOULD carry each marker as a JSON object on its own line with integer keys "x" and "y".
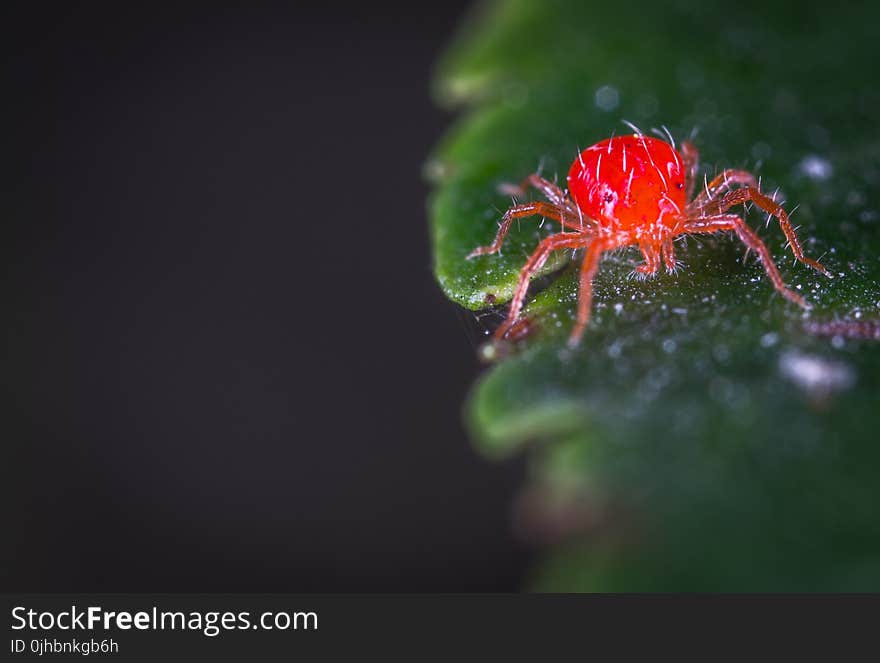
{"x": 637, "y": 190}
{"x": 630, "y": 184}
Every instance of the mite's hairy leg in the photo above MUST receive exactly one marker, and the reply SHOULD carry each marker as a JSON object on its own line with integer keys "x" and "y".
{"x": 652, "y": 259}
{"x": 770, "y": 206}
{"x": 533, "y": 264}
{"x": 711, "y": 191}
{"x": 550, "y": 190}
{"x": 748, "y": 237}
{"x": 585, "y": 291}
{"x": 691, "y": 166}
{"x": 547, "y": 210}
{"x": 668, "y": 250}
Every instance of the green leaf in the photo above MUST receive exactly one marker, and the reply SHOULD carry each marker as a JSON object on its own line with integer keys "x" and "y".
{"x": 707, "y": 434}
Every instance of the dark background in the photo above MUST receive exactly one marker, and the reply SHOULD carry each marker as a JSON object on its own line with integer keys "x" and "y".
{"x": 227, "y": 365}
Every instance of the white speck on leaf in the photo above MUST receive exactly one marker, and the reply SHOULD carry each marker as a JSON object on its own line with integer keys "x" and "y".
{"x": 607, "y": 98}
{"x": 815, "y": 167}
{"x": 769, "y": 340}
{"x": 817, "y": 376}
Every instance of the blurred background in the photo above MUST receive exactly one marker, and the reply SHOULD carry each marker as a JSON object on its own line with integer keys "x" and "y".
{"x": 227, "y": 365}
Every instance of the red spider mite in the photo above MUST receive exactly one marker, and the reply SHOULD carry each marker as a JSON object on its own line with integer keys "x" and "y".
{"x": 638, "y": 190}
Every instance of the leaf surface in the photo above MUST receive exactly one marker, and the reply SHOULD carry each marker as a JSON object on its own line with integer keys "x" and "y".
{"x": 707, "y": 434}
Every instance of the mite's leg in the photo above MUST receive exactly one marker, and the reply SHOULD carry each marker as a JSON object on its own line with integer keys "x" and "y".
{"x": 748, "y": 237}
{"x": 585, "y": 291}
{"x": 551, "y": 191}
{"x": 652, "y": 259}
{"x": 556, "y": 195}
{"x": 710, "y": 191}
{"x": 691, "y": 166}
{"x": 547, "y": 210}
{"x": 668, "y": 251}
{"x": 771, "y": 207}
{"x": 533, "y": 264}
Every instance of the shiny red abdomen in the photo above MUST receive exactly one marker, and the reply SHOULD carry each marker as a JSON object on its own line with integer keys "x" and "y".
{"x": 630, "y": 183}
